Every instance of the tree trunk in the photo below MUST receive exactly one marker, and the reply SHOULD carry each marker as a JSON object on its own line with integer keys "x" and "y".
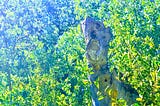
{"x": 109, "y": 89}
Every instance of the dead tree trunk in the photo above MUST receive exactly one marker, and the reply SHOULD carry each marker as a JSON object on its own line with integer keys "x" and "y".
{"x": 97, "y": 39}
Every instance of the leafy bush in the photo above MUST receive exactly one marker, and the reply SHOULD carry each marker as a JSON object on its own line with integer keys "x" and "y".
{"x": 35, "y": 90}
{"x": 71, "y": 70}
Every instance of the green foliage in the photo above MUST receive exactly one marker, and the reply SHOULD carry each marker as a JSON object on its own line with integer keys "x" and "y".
{"x": 36, "y": 90}
{"x": 93, "y": 8}
{"x": 71, "y": 70}
{"x": 29, "y": 31}
{"x": 135, "y": 49}
{"x": 42, "y": 58}
{"x": 32, "y": 26}
{"x": 135, "y": 46}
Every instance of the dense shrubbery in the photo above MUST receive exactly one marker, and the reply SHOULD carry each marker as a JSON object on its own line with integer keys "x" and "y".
{"x": 135, "y": 46}
{"x": 71, "y": 70}
{"x": 41, "y": 68}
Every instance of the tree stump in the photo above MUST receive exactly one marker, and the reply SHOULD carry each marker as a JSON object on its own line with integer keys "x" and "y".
{"x": 109, "y": 89}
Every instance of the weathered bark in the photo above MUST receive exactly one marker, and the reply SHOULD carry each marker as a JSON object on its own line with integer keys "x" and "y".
{"x": 97, "y": 39}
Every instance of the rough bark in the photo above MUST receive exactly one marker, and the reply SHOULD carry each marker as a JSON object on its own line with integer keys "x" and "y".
{"x": 97, "y": 39}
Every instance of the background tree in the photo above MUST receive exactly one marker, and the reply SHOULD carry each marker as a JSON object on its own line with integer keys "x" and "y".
{"x": 29, "y": 31}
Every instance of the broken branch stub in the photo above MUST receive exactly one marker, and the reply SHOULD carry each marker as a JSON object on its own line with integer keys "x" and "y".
{"x": 97, "y": 39}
